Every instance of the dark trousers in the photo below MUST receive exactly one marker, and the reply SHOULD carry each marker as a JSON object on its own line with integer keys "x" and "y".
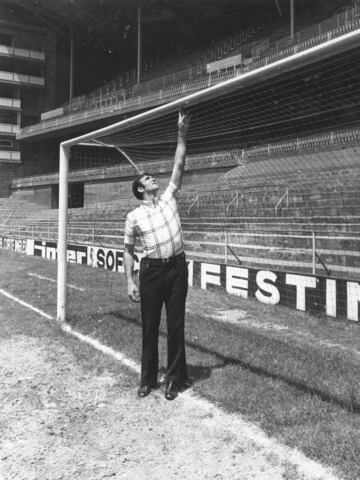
{"x": 163, "y": 283}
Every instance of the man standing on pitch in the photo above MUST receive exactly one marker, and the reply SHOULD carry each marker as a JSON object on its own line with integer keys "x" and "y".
{"x": 163, "y": 275}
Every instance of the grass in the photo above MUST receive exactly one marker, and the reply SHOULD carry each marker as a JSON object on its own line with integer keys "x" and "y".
{"x": 295, "y": 375}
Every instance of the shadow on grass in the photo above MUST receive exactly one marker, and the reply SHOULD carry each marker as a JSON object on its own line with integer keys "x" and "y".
{"x": 197, "y": 373}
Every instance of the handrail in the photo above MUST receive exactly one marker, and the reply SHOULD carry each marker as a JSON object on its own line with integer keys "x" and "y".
{"x": 196, "y": 201}
{"x": 236, "y": 198}
{"x": 328, "y": 271}
{"x": 22, "y": 52}
{"x": 286, "y": 195}
{"x": 334, "y": 266}
{"x": 22, "y": 78}
{"x": 316, "y": 257}
{"x": 8, "y": 218}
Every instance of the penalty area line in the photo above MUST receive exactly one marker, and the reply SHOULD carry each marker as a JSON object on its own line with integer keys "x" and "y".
{"x": 310, "y": 468}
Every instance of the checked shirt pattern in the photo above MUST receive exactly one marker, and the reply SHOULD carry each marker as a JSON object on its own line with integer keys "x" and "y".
{"x": 157, "y": 225}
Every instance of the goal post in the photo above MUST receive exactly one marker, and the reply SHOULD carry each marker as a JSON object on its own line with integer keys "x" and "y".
{"x": 117, "y": 134}
{"x": 62, "y": 232}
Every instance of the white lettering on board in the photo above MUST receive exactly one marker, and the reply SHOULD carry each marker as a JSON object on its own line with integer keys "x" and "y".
{"x": 210, "y": 274}
{"x": 237, "y": 282}
{"x": 301, "y": 283}
{"x": 262, "y": 281}
{"x": 353, "y": 299}
{"x": 330, "y": 297}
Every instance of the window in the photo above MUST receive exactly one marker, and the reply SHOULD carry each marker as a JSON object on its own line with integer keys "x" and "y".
{"x": 6, "y": 143}
{"x": 6, "y": 39}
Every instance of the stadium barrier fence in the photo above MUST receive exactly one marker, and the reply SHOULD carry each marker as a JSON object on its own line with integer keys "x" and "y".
{"x": 316, "y": 294}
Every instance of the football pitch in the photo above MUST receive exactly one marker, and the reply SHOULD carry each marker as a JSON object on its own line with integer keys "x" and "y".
{"x": 273, "y": 393}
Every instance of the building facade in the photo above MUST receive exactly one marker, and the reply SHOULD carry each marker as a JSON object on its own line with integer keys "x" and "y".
{"x": 29, "y": 74}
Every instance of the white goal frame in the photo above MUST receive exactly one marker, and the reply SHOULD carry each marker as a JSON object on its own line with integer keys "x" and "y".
{"x": 318, "y": 52}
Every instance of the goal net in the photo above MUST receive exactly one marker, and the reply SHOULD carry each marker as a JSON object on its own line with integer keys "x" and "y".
{"x": 272, "y": 160}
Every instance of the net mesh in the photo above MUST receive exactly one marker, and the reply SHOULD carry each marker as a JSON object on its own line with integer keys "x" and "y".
{"x": 270, "y": 184}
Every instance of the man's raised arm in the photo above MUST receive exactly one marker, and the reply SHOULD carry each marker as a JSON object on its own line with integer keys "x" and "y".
{"x": 180, "y": 153}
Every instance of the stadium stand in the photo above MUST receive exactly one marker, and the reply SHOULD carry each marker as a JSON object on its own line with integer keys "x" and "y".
{"x": 265, "y": 211}
{"x": 196, "y": 76}
{"x": 256, "y": 163}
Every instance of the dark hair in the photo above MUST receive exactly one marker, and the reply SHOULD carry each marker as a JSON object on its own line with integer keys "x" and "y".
{"x": 137, "y": 183}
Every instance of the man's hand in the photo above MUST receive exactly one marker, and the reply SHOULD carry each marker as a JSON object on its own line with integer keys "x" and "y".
{"x": 180, "y": 153}
{"x": 133, "y": 292}
{"x": 132, "y": 288}
{"x": 183, "y": 123}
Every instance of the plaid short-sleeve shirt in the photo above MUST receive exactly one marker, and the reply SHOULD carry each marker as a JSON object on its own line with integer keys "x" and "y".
{"x": 157, "y": 225}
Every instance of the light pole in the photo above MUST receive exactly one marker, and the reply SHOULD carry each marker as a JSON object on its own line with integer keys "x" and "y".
{"x": 139, "y": 42}
{"x": 71, "y": 87}
{"x": 292, "y": 19}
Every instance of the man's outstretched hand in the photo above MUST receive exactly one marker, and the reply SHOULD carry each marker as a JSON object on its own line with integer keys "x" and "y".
{"x": 183, "y": 123}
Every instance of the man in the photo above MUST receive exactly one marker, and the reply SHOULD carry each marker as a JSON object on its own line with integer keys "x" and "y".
{"x": 163, "y": 275}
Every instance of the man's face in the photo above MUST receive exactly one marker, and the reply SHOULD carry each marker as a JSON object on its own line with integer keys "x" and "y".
{"x": 149, "y": 183}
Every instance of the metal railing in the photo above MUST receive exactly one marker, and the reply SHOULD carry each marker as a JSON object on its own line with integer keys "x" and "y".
{"x": 17, "y": 78}
{"x": 22, "y": 52}
{"x": 10, "y": 103}
{"x": 9, "y": 128}
{"x": 283, "y": 197}
{"x": 233, "y": 200}
{"x": 193, "y": 203}
{"x": 278, "y": 250}
{"x": 10, "y": 156}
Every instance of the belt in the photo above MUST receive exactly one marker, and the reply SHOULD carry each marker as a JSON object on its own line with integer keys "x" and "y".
{"x": 160, "y": 261}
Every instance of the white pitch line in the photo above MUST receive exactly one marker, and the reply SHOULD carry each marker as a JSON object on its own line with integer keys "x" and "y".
{"x": 310, "y": 468}
{"x": 81, "y": 289}
{"x": 103, "y": 348}
{"x": 24, "y": 304}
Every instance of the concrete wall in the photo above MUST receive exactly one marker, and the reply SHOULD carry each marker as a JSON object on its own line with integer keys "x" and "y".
{"x": 97, "y": 192}
{"x": 121, "y": 188}
{"x": 39, "y": 158}
{"x": 7, "y": 173}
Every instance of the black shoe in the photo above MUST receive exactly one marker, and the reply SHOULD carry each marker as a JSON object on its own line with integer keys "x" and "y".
{"x": 144, "y": 391}
{"x": 171, "y": 390}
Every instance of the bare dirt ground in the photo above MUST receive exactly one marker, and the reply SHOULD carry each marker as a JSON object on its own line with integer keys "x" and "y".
{"x": 69, "y": 412}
